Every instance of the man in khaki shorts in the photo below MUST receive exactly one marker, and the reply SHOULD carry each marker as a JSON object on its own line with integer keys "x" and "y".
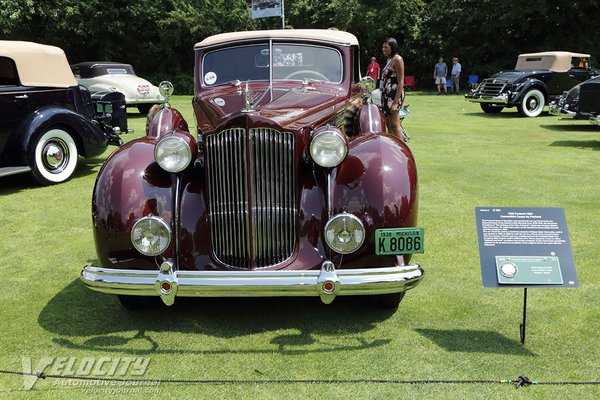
{"x": 440, "y": 73}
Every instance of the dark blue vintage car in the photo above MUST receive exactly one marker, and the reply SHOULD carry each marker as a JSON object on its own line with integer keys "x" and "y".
{"x": 46, "y": 119}
{"x": 581, "y": 102}
{"x": 538, "y": 78}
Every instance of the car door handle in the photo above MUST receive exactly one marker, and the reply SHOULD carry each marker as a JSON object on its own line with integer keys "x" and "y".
{"x": 23, "y": 96}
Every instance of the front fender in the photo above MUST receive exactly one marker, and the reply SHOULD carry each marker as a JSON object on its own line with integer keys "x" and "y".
{"x": 378, "y": 183}
{"x": 129, "y": 186}
{"x": 90, "y": 138}
{"x": 526, "y": 86}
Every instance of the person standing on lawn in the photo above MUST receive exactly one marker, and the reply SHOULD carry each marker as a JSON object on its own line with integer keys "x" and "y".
{"x": 440, "y": 74}
{"x": 373, "y": 70}
{"x": 392, "y": 94}
{"x": 455, "y": 75}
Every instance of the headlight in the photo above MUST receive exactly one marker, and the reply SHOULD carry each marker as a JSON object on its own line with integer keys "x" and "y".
{"x": 344, "y": 233}
{"x": 328, "y": 148}
{"x": 151, "y": 235}
{"x": 173, "y": 153}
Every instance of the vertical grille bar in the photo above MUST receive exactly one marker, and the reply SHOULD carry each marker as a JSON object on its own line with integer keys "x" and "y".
{"x": 272, "y": 185}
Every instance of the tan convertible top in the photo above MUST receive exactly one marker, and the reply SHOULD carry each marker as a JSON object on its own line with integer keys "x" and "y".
{"x": 557, "y": 61}
{"x": 328, "y": 35}
{"x": 39, "y": 64}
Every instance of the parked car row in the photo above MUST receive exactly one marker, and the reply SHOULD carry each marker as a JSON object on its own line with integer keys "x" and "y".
{"x": 47, "y": 120}
{"x": 49, "y": 117}
{"x": 541, "y": 79}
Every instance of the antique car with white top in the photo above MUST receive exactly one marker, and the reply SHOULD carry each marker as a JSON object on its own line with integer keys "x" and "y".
{"x": 46, "y": 119}
{"x": 118, "y": 77}
{"x": 538, "y": 78}
{"x": 289, "y": 185}
{"x": 581, "y": 102}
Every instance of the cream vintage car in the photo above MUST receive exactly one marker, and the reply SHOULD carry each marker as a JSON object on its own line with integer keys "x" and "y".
{"x": 118, "y": 77}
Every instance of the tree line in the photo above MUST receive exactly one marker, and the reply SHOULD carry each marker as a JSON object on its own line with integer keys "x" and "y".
{"x": 157, "y": 37}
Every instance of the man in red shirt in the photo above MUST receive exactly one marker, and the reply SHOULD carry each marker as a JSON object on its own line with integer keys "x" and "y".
{"x": 373, "y": 69}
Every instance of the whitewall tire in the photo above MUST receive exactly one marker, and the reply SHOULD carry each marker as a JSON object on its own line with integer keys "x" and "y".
{"x": 54, "y": 157}
{"x": 532, "y": 104}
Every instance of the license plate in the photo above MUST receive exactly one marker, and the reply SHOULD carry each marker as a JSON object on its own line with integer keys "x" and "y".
{"x": 399, "y": 241}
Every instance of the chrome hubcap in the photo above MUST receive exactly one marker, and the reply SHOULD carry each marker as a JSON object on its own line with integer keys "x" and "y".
{"x": 533, "y": 103}
{"x": 55, "y": 156}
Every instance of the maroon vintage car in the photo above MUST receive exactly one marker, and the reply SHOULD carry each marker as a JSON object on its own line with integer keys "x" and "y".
{"x": 290, "y": 187}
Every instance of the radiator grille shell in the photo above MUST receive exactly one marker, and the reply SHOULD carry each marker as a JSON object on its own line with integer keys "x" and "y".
{"x": 252, "y": 201}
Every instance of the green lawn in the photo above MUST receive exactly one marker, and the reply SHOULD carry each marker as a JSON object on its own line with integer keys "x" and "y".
{"x": 449, "y": 327}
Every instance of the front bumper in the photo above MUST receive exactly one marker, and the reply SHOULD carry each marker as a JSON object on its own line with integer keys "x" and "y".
{"x": 560, "y": 112}
{"x": 326, "y": 283}
{"x": 478, "y": 98}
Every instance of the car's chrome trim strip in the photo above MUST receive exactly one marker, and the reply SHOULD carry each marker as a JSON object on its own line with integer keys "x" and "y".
{"x": 365, "y": 281}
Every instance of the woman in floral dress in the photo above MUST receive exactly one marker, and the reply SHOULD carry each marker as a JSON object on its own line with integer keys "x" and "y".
{"x": 392, "y": 94}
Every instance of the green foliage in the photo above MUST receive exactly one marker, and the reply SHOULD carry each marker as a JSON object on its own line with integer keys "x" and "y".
{"x": 157, "y": 37}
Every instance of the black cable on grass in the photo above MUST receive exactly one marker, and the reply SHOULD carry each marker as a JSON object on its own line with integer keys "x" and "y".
{"x": 521, "y": 381}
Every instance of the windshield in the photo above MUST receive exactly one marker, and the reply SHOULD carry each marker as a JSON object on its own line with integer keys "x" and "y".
{"x": 290, "y": 62}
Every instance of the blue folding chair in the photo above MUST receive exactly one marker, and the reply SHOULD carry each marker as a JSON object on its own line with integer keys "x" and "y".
{"x": 473, "y": 81}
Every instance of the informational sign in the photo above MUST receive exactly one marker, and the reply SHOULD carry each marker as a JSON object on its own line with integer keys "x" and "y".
{"x": 525, "y": 247}
{"x": 266, "y": 8}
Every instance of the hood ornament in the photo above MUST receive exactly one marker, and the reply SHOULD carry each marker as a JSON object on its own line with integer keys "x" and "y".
{"x": 248, "y": 100}
{"x": 166, "y": 90}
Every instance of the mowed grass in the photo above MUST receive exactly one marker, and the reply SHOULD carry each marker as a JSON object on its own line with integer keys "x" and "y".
{"x": 449, "y": 327}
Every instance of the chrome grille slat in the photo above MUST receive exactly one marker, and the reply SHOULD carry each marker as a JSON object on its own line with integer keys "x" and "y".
{"x": 251, "y": 200}
{"x": 492, "y": 87}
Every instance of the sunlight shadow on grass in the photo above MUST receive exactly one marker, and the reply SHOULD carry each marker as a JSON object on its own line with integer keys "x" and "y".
{"x": 471, "y": 341}
{"x": 103, "y": 325}
{"x": 566, "y": 127}
{"x": 583, "y": 144}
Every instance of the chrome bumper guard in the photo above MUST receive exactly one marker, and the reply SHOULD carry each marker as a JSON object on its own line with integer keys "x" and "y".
{"x": 560, "y": 112}
{"x": 501, "y": 99}
{"x": 326, "y": 283}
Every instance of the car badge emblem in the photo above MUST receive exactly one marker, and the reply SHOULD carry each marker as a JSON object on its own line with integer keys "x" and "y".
{"x": 143, "y": 89}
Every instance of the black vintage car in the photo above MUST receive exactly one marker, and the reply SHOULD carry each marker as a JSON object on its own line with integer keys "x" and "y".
{"x": 46, "y": 119}
{"x": 538, "y": 78}
{"x": 581, "y": 102}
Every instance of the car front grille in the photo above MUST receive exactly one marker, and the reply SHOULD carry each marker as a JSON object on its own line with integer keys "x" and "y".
{"x": 491, "y": 87}
{"x": 251, "y": 186}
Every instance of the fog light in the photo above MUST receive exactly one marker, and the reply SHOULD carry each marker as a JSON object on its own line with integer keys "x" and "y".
{"x": 344, "y": 233}
{"x": 151, "y": 235}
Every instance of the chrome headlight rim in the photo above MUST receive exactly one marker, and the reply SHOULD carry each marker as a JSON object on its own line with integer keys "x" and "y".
{"x": 332, "y": 134}
{"x": 161, "y": 153}
{"x": 354, "y": 219}
{"x": 145, "y": 223}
